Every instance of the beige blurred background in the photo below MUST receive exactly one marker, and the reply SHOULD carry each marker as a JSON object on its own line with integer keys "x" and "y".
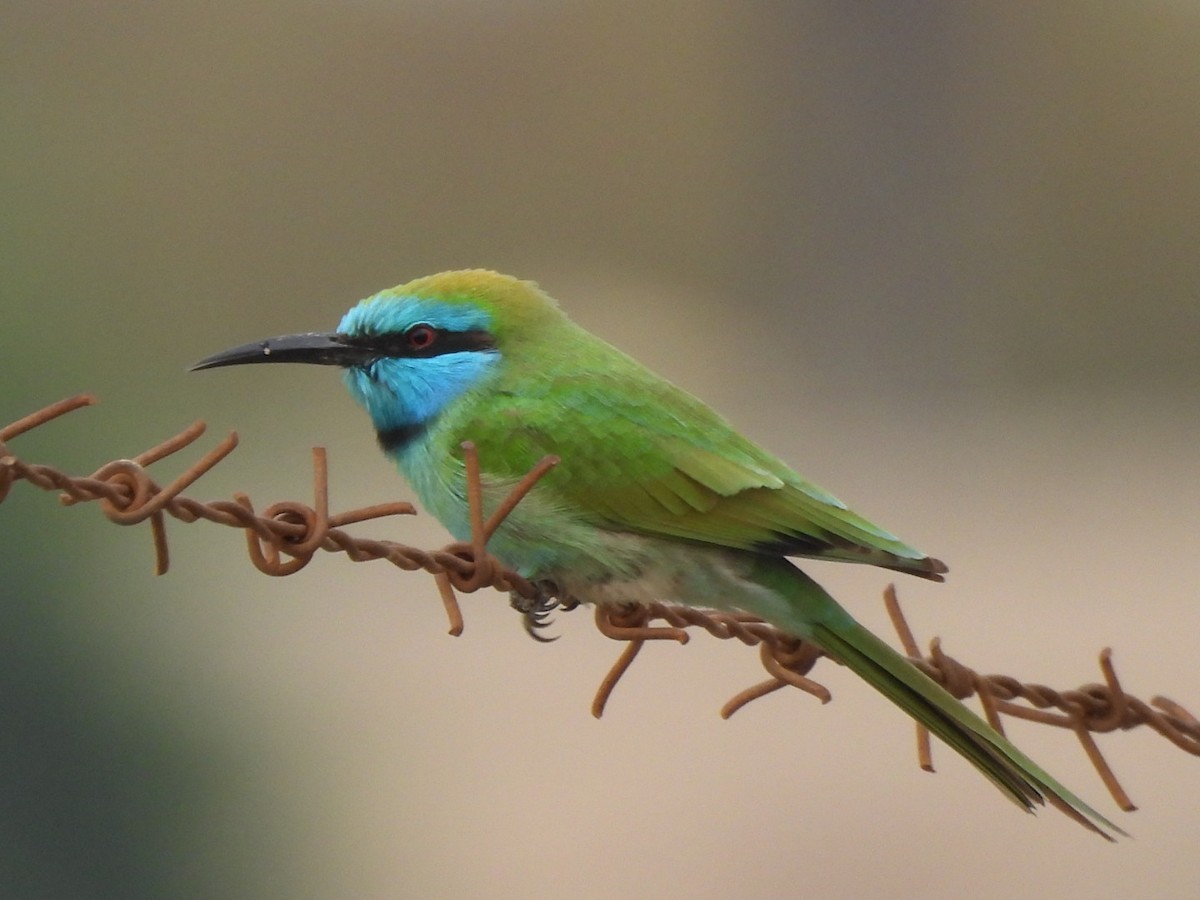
{"x": 941, "y": 256}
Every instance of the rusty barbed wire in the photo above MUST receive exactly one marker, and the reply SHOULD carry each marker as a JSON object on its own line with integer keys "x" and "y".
{"x": 1090, "y": 709}
{"x": 284, "y": 538}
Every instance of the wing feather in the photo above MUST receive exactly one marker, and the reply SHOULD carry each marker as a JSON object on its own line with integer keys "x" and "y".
{"x": 655, "y": 460}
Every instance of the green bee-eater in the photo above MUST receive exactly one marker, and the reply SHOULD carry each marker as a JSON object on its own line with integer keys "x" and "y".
{"x": 656, "y": 496}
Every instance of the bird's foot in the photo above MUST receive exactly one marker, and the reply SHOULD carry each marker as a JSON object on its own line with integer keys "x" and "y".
{"x": 536, "y": 612}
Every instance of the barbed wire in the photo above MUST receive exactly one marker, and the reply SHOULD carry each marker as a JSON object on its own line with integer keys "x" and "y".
{"x": 284, "y": 537}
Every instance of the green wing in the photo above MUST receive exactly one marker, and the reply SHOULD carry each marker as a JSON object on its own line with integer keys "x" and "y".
{"x": 641, "y": 455}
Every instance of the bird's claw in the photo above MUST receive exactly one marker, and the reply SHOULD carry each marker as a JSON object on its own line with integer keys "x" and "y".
{"x": 536, "y": 611}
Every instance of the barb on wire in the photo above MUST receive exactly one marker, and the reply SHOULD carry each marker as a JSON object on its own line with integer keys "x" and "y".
{"x": 285, "y": 537}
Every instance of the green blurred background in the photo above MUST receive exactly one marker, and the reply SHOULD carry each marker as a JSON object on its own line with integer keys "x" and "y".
{"x": 942, "y": 256}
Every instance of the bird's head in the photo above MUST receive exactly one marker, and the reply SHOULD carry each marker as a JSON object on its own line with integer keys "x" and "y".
{"x": 411, "y": 350}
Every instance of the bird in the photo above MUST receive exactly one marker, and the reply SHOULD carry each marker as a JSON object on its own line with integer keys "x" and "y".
{"x": 656, "y": 497}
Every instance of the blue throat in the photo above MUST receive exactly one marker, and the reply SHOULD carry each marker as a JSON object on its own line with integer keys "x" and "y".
{"x": 404, "y": 395}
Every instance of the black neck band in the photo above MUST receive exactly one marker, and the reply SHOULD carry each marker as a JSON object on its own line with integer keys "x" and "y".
{"x": 399, "y": 437}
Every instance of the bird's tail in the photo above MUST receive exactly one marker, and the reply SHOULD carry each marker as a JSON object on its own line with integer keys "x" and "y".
{"x": 815, "y": 615}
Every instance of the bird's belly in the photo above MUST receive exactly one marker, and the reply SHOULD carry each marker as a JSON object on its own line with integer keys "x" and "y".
{"x": 602, "y": 567}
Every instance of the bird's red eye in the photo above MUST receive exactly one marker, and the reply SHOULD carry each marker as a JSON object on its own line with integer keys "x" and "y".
{"x": 420, "y": 337}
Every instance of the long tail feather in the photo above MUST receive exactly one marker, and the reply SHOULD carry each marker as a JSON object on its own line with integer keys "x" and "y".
{"x": 815, "y": 615}
{"x": 926, "y": 701}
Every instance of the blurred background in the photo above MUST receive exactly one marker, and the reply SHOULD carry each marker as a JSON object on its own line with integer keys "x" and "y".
{"x": 940, "y": 256}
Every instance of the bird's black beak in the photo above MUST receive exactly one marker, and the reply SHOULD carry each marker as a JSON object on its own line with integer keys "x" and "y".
{"x": 329, "y": 349}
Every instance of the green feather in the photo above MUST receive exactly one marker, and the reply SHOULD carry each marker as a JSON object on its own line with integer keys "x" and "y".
{"x": 644, "y": 456}
{"x": 811, "y": 613}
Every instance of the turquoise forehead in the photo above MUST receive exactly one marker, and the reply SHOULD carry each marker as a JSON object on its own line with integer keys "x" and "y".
{"x": 387, "y": 313}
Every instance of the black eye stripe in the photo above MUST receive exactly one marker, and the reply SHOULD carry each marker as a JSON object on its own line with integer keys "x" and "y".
{"x": 396, "y": 344}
